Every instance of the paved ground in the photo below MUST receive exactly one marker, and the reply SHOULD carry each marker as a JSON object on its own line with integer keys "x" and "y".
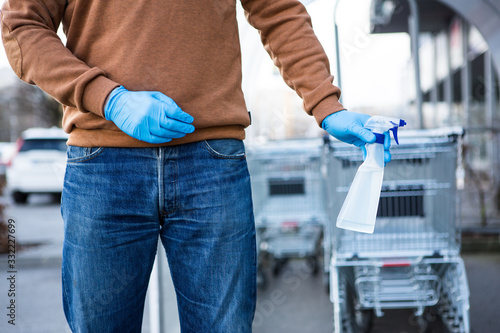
{"x": 39, "y": 228}
{"x": 295, "y": 301}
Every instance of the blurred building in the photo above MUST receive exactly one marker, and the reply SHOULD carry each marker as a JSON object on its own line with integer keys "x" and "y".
{"x": 23, "y": 106}
{"x": 457, "y": 68}
{"x": 276, "y": 110}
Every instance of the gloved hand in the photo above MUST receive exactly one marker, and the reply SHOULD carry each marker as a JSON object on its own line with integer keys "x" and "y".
{"x": 349, "y": 127}
{"x": 147, "y": 115}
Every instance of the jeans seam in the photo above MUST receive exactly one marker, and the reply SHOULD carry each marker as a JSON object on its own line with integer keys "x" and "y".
{"x": 161, "y": 187}
{"x": 176, "y": 187}
{"x": 175, "y": 198}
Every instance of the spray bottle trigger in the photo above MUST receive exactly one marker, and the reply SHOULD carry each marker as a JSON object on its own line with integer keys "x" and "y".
{"x": 395, "y": 129}
{"x": 395, "y": 133}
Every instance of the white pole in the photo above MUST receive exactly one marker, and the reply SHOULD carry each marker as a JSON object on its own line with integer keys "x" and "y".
{"x": 414, "y": 29}
{"x": 154, "y": 293}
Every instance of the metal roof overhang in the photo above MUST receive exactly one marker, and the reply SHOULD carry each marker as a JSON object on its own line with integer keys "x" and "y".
{"x": 389, "y": 16}
{"x": 392, "y": 16}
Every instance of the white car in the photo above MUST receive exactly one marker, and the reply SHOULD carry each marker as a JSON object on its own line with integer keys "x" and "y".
{"x": 39, "y": 165}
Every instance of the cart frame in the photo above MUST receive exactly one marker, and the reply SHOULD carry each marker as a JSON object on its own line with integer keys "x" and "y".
{"x": 412, "y": 260}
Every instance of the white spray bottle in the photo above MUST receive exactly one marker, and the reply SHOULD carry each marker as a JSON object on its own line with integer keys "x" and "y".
{"x": 359, "y": 210}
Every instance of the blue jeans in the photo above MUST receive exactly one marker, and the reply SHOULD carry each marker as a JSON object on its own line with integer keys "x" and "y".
{"x": 196, "y": 197}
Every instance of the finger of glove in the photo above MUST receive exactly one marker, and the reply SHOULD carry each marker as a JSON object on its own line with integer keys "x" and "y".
{"x": 171, "y": 108}
{"x": 387, "y": 146}
{"x": 362, "y": 133}
{"x": 387, "y": 156}
{"x": 156, "y": 139}
{"x": 172, "y": 124}
{"x": 161, "y": 132}
{"x": 356, "y": 141}
{"x": 177, "y": 114}
{"x": 144, "y": 135}
{"x": 387, "y": 141}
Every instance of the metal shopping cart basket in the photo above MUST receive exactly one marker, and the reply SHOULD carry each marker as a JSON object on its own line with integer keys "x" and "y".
{"x": 412, "y": 260}
{"x": 289, "y": 202}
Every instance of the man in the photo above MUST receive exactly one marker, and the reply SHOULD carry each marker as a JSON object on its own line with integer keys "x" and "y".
{"x": 156, "y": 116}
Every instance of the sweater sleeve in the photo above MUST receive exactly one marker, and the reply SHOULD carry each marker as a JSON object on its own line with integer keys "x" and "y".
{"x": 37, "y": 55}
{"x": 286, "y": 31}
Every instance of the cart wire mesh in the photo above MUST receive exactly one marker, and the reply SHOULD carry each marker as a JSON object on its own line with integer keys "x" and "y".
{"x": 288, "y": 197}
{"x": 417, "y": 209}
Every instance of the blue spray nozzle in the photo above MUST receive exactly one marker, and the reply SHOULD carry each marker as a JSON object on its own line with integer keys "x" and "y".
{"x": 395, "y": 134}
{"x": 395, "y": 129}
{"x": 380, "y": 124}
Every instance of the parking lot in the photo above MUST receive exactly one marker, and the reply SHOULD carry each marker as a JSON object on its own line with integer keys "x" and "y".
{"x": 294, "y": 301}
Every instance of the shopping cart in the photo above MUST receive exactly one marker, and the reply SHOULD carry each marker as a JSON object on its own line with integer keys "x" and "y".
{"x": 289, "y": 202}
{"x": 412, "y": 260}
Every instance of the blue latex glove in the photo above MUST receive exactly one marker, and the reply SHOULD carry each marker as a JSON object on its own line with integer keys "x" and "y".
{"x": 387, "y": 146}
{"x": 349, "y": 127}
{"x": 147, "y": 115}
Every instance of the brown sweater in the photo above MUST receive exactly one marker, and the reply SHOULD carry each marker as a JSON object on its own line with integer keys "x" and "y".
{"x": 187, "y": 49}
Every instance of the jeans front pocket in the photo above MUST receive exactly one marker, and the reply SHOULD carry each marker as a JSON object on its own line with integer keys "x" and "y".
{"x": 225, "y": 148}
{"x": 81, "y": 154}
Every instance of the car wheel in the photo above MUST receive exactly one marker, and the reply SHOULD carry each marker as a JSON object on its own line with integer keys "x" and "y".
{"x": 56, "y": 197}
{"x": 20, "y": 197}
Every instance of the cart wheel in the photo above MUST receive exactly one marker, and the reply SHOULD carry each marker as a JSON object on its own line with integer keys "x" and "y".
{"x": 20, "y": 197}
{"x": 421, "y": 322}
{"x": 340, "y": 310}
{"x": 355, "y": 319}
{"x": 56, "y": 197}
{"x": 453, "y": 305}
{"x": 363, "y": 320}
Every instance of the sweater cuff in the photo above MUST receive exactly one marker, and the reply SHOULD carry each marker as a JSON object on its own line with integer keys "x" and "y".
{"x": 327, "y": 107}
{"x": 95, "y": 94}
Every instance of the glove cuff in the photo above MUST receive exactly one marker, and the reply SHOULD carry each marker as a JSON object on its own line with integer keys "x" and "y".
{"x": 324, "y": 123}
{"x": 110, "y": 106}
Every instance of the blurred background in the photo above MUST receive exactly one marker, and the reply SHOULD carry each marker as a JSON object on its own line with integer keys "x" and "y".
{"x": 434, "y": 63}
